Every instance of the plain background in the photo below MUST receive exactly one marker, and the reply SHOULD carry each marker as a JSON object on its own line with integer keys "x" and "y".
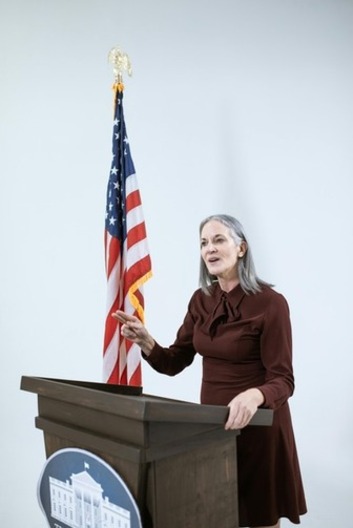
{"x": 236, "y": 106}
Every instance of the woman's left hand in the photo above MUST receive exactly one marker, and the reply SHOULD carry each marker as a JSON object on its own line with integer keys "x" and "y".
{"x": 243, "y": 407}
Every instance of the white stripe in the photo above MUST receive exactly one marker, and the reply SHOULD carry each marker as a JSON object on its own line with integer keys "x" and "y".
{"x": 133, "y": 360}
{"x": 137, "y": 252}
{"x": 113, "y": 285}
{"x": 134, "y": 217}
{"x": 107, "y": 247}
{"x": 122, "y": 357}
{"x": 110, "y": 356}
{"x": 131, "y": 184}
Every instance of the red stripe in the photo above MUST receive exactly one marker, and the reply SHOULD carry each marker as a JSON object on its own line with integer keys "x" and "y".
{"x": 140, "y": 298}
{"x": 136, "y": 378}
{"x": 133, "y": 200}
{"x": 136, "y": 234}
{"x": 110, "y": 324}
{"x": 113, "y": 254}
{"x": 135, "y": 272}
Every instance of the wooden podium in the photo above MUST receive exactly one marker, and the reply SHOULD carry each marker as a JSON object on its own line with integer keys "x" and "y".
{"x": 176, "y": 458}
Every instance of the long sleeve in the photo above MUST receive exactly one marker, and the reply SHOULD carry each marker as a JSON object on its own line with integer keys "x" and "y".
{"x": 276, "y": 353}
{"x": 172, "y": 360}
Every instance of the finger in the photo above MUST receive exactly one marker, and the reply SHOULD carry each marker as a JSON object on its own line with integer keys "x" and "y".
{"x": 237, "y": 418}
{"x": 230, "y": 422}
{"x": 128, "y": 332}
{"x": 242, "y": 420}
{"x": 118, "y": 317}
{"x": 123, "y": 317}
{"x": 233, "y": 414}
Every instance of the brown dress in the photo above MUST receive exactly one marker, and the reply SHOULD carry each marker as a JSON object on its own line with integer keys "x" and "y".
{"x": 245, "y": 342}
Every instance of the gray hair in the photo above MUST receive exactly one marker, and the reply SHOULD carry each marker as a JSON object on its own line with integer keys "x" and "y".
{"x": 249, "y": 281}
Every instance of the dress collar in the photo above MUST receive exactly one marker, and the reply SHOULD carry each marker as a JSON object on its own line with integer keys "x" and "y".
{"x": 225, "y": 307}
{"x": 234, "y": 296}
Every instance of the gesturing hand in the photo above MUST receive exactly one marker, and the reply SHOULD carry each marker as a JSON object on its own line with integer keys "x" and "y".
{"x": 134, "y": 330}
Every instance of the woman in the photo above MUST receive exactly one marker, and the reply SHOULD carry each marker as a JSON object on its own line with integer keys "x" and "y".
{"x": 241, "y": 327}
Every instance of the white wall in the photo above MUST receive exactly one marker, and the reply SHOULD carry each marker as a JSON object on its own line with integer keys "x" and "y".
{"x": 242, "y": 107}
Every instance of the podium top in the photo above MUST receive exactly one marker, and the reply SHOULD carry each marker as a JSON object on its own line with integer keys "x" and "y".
{"x": 132, "y": 403}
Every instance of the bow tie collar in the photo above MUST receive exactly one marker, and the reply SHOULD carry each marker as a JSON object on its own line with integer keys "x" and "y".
{"x": 225, "y": 309}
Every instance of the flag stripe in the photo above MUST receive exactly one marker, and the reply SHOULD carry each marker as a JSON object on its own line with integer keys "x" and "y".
{"x": 136, "y": 234}
{"x": 133, "y": 199}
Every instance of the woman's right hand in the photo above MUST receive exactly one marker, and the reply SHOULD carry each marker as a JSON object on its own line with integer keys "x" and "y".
{"x": 135, "y": 331}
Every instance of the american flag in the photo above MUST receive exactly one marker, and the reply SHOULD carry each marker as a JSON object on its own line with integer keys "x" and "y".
{"x": 128, "y": 264}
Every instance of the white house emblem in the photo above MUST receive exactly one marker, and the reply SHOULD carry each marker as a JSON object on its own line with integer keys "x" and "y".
{"x": 77, "y": 489}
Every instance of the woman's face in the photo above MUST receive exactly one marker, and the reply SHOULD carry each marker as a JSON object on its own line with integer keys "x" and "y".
{"x": 219, "y": 250}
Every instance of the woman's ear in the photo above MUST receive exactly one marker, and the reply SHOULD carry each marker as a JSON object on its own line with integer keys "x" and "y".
{"x": 242, "y": 249}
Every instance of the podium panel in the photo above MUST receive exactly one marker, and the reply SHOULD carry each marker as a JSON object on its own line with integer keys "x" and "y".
{"x": 176, "y": 458}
